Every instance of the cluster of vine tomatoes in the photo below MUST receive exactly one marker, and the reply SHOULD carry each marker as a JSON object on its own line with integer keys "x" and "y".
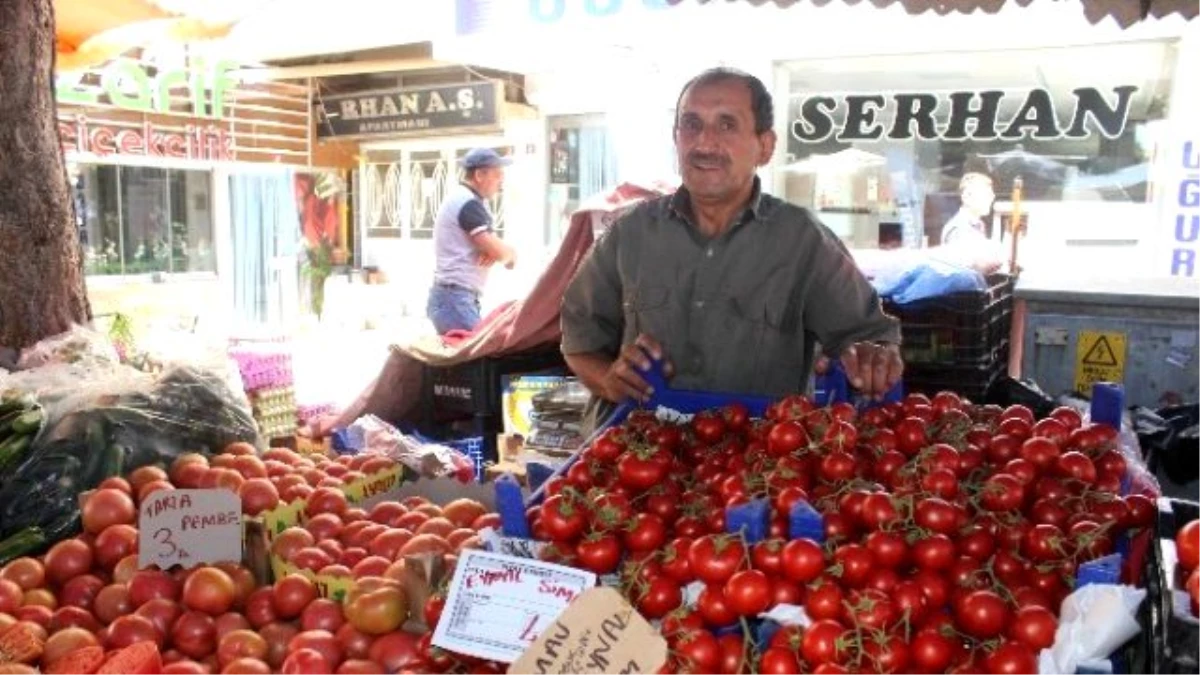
{"x": 952, "y": 531}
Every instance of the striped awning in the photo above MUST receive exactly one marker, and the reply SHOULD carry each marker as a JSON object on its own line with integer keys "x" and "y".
{"x": 1124, "y": 12}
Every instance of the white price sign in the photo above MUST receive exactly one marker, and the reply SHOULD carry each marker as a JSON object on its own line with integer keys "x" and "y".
{"x": 498, "y": 605}
{"x": 189, "y": 528}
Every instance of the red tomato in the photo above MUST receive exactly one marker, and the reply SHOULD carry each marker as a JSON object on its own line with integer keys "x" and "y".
{"x": 982, "y": 614}
{"x": 658, "y": 597}
{"x": 646, "y": 532}
{"x": 1034, "y": 627}
{"x": 1011, "y": 658}
{"x": 822, "y": 643}
{"x": 714, "y": 559}
{"x": 600, "y": 553}
{"x": 748, "y": 593}
{"x": 1187, "y": 544}
{"x": 563, "y": 518}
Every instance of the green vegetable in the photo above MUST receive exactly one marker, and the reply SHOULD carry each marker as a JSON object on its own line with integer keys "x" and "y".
{"x": 29, "y": 422}
{"x": 24, "y": 541}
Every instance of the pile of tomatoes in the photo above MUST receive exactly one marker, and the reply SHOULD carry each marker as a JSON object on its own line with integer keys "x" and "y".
{"x": 952, "y": 532}
{"x": 85, "y": 607}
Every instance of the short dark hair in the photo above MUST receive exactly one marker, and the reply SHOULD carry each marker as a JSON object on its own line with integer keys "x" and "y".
{"x": 760, "y": 99}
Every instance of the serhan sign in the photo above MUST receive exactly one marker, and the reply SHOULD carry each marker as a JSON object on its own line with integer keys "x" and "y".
{"x": 968, "y": 115}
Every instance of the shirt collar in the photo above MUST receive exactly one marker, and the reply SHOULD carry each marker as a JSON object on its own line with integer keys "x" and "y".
{"x": 680, "y": 203}
{"x": 472, "y": 189}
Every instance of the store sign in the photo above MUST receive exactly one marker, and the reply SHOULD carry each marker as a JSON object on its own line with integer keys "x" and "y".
{"x": 208, "y": 143}
{"x": 129, "y": 85}
{"x": 971, "y": 115}
{"x": 1183, "y": 195}
{"x": 408, "y": 111}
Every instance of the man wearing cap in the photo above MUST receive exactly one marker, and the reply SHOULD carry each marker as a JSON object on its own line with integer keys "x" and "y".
{"x": 465, "y": 244}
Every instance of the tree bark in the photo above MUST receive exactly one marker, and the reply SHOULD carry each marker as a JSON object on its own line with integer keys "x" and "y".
{"x": 41, "y": 275}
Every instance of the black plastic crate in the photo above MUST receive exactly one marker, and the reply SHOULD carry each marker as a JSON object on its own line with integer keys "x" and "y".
{"x": 972, "y": 381}
{"x": 1173, "y": 631}
{"x": 466, "y": 398}
{"x": 963, "y": 328}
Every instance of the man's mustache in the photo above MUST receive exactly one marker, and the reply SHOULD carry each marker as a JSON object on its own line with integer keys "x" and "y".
{"x": 705, "y": 158}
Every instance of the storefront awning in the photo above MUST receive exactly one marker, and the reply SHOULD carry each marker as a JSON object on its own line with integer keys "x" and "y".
{"x": 89, "y": 33}
{"x": 1124, "y": 12}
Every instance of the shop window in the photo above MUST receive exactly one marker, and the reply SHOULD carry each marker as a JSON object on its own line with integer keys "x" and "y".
{"x": 582, "y": 164}
{"x": 143, "y": 220}
{"x": 403, "y": 191}
{"x": 875, "y": 145}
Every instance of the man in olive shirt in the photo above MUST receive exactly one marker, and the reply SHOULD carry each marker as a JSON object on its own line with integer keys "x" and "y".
{"x": 732, "y": 287}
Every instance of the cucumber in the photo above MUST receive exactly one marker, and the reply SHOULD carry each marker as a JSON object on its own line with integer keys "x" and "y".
{"x": 13, "y": 449}
{"x": 18, "y": 403}
{"x": 29, "y": 422}
{"x": 22, "y": 542}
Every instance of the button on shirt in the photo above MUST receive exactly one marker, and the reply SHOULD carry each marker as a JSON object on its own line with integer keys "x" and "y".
{"x": 739, "y": 313}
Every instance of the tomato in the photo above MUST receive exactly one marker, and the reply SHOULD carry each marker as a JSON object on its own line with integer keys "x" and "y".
{"x": 714, "y": 607}
{"x": 1010, "y": 658}
{"x": 131, "y": 628}
{"x": 640, "y": 469}
{"x": 321, "y": 641}
{"x": 675, "y": 561}
{"x": 563, "y": 518}
{"x": 292, "y": 594}
{"x": 1187, "y": 545}
{"x": 715, "y": 558}
{"x": 824, "y": 601}
{"x": 209, "y": 590}
{"x": 803, "y": 560}
{"x": 886, "y": 653}
{"x": 777, "y": 661}
{"x": 28, "y": 573}
{"x": 146, "y": 585}
{"x": 937, "y": 515}
{"x": 698, "y": 650}
{"x": 258, "y": 495}
{"x": 600, "y": 553}
{"x": 646, "y": 532}
{"x": 1193, "y": 588}
{"x": 163, "y": 613}
{"x": 1077, "y": 466}
{"x": 1041, "y": 452}
{"x": 1043, "y": 543}
{"x": 194, "y": 634}
{"x": 113, "y": 544}
{"x": 708, "y": 427}
{"x": 910, "y": 436}
{"x": 136, "y": 659}
{"x": 1034, "y": 627}
{"x": 930, "y": 652}
{"x": 1002, "y": 492}
{"x": 68, "y": 559}
{"x": 786, "y": 437}
{"x": 303, "y": 661}
{"x": 837, "y": 466}
{"x": 66, "y": 641}
{"x": 376, "y": 609}
{"x": 107, "y": 507}
{"x": 982, "y": 614}
{"x": 658, "y": 597}
{"x": 355, "y": 643}
{"x": 322, "y": 614}
{"x": 71, "y": 617}
{"x": 822, "y": 642}
{"x": 277, "y": 634}
{"x": 748, "y": 592}
{"x": 878, "y": 511}
{"x": 610, "y": 445}
{"x": 111, "y": 602}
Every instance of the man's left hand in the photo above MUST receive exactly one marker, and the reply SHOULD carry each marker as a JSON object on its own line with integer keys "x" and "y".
{"x": 873, "y": 369}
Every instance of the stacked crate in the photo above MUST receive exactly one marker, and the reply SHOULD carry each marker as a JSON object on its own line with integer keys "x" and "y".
{"x": 266, "y": 370}
{"x": 957, "y": 342}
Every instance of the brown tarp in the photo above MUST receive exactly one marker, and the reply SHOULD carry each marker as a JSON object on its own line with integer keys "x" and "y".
{"x": 1124, "y": 12}
{"x": 519, "y": 326}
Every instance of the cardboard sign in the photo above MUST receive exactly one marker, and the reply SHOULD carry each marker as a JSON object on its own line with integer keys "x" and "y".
{"x": 599, "y": 633}
{"x": 1099, "y": 357}
{"x": 498, "y": 604}
{"x": 189, "y": 528}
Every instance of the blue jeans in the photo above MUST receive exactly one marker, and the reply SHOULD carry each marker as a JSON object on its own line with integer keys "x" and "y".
{"x": 453, "y": 308}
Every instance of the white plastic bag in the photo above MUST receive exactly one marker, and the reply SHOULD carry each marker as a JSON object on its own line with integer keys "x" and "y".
{"x": 1095, "y": 620}
{"x": 78, "y": 345}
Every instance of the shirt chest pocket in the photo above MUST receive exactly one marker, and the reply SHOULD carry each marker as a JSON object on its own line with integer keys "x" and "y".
{"x": 768, "y": 328}
{"x": 647, "y": 310}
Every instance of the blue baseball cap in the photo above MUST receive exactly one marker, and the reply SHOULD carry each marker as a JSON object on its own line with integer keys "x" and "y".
{"x": 483, "y": 158}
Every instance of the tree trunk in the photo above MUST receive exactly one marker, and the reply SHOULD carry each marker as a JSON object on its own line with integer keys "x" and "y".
{"x": 41, "y": 275}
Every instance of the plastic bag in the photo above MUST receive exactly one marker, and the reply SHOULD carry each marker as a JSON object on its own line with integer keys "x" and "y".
{"x": 1095, "y": 621}
{"x": 114, "y": 420}
{"x": 430, "y": 460}
{"x": 78, "y": 345}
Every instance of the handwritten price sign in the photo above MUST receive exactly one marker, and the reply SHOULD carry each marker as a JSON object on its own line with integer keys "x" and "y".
{"x": 189, "y": 528}
{"x": 498, "y": 605}
{"x": 599, "y": 633}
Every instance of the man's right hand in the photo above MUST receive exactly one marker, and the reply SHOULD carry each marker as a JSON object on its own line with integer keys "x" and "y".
{"x": 623, "y": 380}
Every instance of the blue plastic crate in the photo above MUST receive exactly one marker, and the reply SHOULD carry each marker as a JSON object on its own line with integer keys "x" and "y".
{"x": 471, "y": 447}
{"x": 834, "y": 387}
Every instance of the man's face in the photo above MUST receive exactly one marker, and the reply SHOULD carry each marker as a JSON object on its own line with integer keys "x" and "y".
{"x": 489, "y": 180}
{"x": 978, "y": 196}
{"x": 715, "y": 141}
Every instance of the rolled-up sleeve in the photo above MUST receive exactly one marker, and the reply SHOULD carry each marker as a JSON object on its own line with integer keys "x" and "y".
{"x": 842, "y": 307}
{"x": 592, "y": 315}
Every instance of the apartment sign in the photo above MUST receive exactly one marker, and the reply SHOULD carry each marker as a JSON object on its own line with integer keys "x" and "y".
{"x": 410, "y": 111}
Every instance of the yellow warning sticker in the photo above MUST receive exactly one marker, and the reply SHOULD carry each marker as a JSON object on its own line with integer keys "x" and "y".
{"x": 1099, "y": 357}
